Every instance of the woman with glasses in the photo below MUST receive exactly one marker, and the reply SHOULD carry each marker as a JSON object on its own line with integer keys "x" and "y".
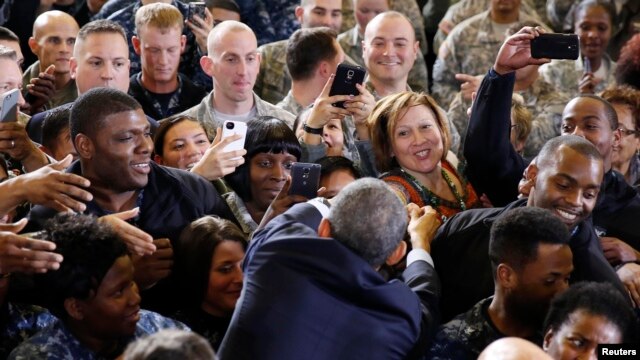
{"x": 625, "y": 160}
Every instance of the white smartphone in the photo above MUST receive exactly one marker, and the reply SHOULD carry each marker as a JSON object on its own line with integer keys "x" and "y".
{"x": 9, "y": 106}
{"x": 230, "y": 128}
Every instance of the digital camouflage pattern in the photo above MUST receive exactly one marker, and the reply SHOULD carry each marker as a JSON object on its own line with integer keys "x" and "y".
{"x": 565, "y": 75}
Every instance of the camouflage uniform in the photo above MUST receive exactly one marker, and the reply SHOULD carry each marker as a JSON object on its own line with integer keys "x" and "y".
{"x": 62, "y": 96}
{"x": 351, "y": 43}
{"x": 546, "y": 106}
{"x": 470, "y": 48}
{"x": 273, "y": 81}
{"x": 20, "y": 322}
{"x": 290, "y": 104}
{"x": 204, "y": 113}
{"x": 453, "y": 131}
{"x": 565, "y": 75}
{"x": 408, "y": 8}
{"x": 466, "y": 335}
{"x": 110, "y": 7}
{"x": 190, "y": 58}
{"x": 184, "y": 97}
{"x": 57, "y": 341}
{"x": 465, "y": 9}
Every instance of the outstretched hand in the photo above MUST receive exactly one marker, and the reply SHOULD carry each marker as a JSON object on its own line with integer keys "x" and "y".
{"x": 23, "y": 254}
{"x": 281, "y": 203}
{"x": 515, "y": 53}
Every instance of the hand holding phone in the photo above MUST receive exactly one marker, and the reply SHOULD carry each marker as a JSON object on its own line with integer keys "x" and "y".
{"x": 305, "y": 179}
{"x": 344, "y": 83}
{"x": 196, "y": 8}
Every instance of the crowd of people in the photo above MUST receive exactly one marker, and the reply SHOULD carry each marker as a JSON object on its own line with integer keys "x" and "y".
{"x": 473, "y": 201}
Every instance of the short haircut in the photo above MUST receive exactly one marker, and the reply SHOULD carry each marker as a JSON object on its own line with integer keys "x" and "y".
{"x": 100, "y": 27}
{"x": 610, "y": 112}
{"x": 265, "y": 134}
{"x": 599, "y": 299}
{"x": 374, "y": 203}
{"x": 625, "y": 95}
{"x": 194, "y": 253}
{"x": 391, "y": 14}
{"x": 90, "y": 109}
{"x": 549, "y": 152}
{"x": 521, "y": 117}
{"x": 163, "y": 129}
{"x": 160, "y": 15}
{"x": 306, "y": 48}
{"x": 225, "y": 27}
{"x": 607, "y": 5}
{"x": 170, "y": 344}
{"x": 8, "y": 53}
{"x": 55, "y": 122}
{"x": 8, "y": 35}
{"x": 385, "y": 116}
{"x": 230, "y": 5}
{"x": 517, "y": 234}
{"x": 330, "y": 164}
{"x": 89, "y": 248}
{"x": 628, "y": 65}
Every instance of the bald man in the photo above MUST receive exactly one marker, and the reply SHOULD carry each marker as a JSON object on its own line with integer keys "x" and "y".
{"x": 512, "y": 348}
{"x": 48, "y": 80}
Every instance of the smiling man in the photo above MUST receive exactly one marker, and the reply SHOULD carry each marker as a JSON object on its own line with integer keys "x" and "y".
{"x": 112, "y": 138}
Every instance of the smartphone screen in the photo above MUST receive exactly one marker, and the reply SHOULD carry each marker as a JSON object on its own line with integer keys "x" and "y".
{"x": 347, "y": 76}
{"x": 230, "y": 128}
{"x": 556, "y": 46}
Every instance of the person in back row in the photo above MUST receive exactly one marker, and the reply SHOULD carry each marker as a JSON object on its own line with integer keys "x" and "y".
{"x": 233, "y": 62}
{"x": 158, "y": 87}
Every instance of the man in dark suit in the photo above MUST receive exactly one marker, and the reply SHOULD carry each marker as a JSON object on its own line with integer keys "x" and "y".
{"x": 312, "y": 290}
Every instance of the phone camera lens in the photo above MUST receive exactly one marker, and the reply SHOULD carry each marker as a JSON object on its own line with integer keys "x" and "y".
{"x": 230, "y": 125}
{"x": 306, "y": 170}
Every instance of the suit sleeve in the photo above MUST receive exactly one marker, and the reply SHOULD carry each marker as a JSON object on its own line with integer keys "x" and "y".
{"x": 493, "y": 167}
{"x": 421, "y": 277}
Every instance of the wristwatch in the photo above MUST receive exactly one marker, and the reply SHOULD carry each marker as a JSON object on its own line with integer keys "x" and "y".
{"x": 310, "y": 130}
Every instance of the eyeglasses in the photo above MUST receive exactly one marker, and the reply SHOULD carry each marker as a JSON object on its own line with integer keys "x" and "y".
{"x": 628, "y": 132}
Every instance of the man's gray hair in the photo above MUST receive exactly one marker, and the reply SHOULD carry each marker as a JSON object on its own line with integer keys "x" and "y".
{"x": 369, "y": 218}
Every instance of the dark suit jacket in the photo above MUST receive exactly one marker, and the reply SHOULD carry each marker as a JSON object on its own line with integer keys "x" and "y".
{"x": 307, "y": 297}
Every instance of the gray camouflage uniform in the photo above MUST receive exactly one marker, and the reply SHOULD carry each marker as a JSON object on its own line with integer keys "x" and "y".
{"x": 465, "y": 9}
{"x": 204, "y": 113}
{"x": 351, "y": 43}
{"x": 470, "y": 48}
{"x": 541, "y": 98}
{"x": 565, "y": 75}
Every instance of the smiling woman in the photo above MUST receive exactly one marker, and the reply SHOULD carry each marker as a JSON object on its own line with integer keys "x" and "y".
{"x": 410, "y": 138}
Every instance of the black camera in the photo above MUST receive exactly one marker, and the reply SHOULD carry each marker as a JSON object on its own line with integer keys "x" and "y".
{"x": 230, "y": 125}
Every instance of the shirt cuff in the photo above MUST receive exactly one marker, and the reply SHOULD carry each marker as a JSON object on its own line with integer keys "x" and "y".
{"x": 419, "y": 254}
{"x": 322, "y": 205}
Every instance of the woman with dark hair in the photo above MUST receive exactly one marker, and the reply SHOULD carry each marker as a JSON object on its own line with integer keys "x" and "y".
{"x": 628, "y": 70}
{"x": 208, "y": 267}
{"x": 585, "y": 315}
{"x": 594, "y": 70}
{"x": 271, "y": 148}
{"x": 181, "y": 142}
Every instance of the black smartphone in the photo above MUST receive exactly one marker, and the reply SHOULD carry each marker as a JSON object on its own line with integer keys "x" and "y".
{"x": 196, "y": 8}
{"x": 556, "y": 46}
{"x": 305, "y": 180}
{"x": 347, "y": 76}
